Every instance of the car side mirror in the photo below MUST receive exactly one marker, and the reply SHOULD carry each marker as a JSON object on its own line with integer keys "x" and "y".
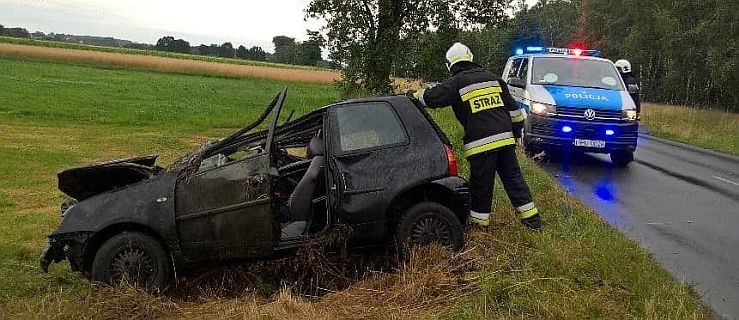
{"x": 516, "y": 82}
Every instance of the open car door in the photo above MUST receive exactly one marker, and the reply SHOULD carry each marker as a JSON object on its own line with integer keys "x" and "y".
{"x": 225, "y": 209}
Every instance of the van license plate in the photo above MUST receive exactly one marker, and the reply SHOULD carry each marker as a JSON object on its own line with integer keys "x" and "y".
{"x": 590, "y": 143}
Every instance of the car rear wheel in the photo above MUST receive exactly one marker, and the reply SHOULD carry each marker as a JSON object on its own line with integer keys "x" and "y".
{"x": 622, "y": 158}
{"x": 428, "y": 222}
{"x": 134, "y": 258}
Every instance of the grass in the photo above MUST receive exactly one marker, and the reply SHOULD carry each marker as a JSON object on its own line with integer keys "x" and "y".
{"x": 707, "y": 128}
{"x": 181, "y": 64}
{"x": 56, "y": 115}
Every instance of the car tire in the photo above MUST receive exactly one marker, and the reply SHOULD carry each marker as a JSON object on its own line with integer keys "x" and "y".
{"x": 429, "y": 222}
{"x": 622, "y": 158}
{"x": 135, "y": 258}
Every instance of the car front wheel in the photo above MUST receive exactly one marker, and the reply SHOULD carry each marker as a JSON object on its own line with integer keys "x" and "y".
{"x": 134, "y": 258}
{"x": 428, "y": 222}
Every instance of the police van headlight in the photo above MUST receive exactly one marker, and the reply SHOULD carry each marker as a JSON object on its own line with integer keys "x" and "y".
{"x": 629, "y": 115}
{"x": 543, "y": 109}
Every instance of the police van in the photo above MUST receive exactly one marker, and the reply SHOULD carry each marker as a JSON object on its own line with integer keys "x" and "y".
{"x": 574, "y": 101}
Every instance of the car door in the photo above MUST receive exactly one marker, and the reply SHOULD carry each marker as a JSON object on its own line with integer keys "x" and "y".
{"x": 225, "y": 209}
{"x": 362, "y": 137}
{"x": 518, "y": 70}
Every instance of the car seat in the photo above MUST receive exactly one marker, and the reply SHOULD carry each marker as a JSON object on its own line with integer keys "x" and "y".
{"x": 301, "y": 198}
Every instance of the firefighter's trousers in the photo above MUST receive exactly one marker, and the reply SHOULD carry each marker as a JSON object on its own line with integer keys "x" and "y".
{"x": 502, "y": 161}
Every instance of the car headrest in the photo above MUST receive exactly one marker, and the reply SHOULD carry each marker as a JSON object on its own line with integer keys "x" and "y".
{"x": 315, "y": 148}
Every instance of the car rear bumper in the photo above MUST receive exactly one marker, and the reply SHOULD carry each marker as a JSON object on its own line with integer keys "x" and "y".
{"x": 547, "y": 132}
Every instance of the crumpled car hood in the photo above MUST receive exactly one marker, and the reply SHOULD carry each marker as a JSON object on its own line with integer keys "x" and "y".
{"x": 84, "y": 182}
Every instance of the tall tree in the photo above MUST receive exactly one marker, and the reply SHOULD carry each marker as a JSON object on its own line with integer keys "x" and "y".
{"x": 163, "y": 43}
{"x": 285, "y": 49}
{"x": 226, "y": 50}
{"x": 365, "y": 35}
{"x": 309, "y": 51}
{"x": 242, "y": 53}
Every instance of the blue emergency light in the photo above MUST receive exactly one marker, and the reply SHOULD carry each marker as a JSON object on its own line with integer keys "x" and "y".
{"x": 610, "y": 132}
{"x": 566, "y": 129}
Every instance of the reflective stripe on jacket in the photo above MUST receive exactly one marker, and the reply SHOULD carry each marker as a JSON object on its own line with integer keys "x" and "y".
{"x": 482, "y": 104}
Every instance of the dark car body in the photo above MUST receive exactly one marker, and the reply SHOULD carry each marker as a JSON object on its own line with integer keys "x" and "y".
{"x": 225, "y": 200}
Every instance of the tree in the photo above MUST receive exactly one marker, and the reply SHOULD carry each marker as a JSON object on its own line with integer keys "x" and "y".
{"x": 257, "y": 54}
{"x": 204, "y": 50}
{"x": 226, "y": 50}
{"x": 242, "y": 53}
{"x": 285, "y": 49}
{"x": 163, "y": 43}
{"x": 365, "y": 35}
{"x": 309, "y": 51}
{"x": 16, "y": 32}
{"x": 180, "y": 46}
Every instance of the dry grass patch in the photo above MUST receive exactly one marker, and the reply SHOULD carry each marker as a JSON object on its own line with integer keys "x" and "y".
{"x": 707, "y": 128}
{"x": 165, "y": 64}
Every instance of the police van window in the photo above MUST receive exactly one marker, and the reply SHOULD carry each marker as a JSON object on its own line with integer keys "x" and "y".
{"x": 523, "y": 70}
{"x": 514, "y": 68}
{"x": 370, "y": 125}
{"x": 575, "y": 72}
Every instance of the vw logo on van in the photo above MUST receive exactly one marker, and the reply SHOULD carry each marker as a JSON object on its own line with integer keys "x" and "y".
{"x": 589, "y": 114}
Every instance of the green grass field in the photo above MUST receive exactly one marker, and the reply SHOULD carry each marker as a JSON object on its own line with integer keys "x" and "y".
{"x": 54, "y": 116}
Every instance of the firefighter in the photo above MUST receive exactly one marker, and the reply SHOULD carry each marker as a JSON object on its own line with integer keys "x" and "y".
{"x": 632, "y": 83}
{"x": 492, "y": 122}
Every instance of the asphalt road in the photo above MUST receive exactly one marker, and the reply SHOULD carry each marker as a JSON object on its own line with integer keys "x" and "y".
{"x": 680, "y": 202}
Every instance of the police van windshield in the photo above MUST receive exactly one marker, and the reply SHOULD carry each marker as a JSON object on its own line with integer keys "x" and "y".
{"x": 564, "y": 71}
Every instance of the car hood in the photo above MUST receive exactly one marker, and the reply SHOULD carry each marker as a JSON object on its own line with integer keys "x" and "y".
{"x": 84, "y": 182}
{"x": 581, "y": 97}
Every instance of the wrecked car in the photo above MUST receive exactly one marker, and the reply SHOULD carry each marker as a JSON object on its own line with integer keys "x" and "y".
{"x": 379, "y": 165}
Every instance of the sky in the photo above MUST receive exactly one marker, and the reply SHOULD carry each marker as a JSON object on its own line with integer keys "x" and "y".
{"x": 247, "y": 22}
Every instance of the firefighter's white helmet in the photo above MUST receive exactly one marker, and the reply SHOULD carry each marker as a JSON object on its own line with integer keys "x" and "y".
{"x": 623, "y": 65}
{"x": 456, "y": 53}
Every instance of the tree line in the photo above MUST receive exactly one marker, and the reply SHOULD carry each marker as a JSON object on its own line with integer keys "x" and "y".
{"x": 684, "y": 52}
{"x": 287, "y": 49}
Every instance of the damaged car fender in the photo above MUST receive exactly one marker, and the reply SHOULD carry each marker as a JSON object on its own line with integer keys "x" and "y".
{"x": 147, "y": 205}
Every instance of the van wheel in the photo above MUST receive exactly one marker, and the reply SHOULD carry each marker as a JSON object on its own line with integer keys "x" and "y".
{"x": 134, "y": 258}
{"x": 622, "y": 158}
{"x": 429, "y": 222}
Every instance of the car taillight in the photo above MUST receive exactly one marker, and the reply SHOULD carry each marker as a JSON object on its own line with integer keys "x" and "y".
{"x": 452, "y": 161}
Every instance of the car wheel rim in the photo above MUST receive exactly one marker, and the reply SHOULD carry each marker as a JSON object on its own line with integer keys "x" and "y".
{"x": 429, "y": 230}
{"x": 133, "y": 265}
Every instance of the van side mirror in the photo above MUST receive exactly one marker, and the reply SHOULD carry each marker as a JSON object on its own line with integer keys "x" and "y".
{"x": 517, "y": 82}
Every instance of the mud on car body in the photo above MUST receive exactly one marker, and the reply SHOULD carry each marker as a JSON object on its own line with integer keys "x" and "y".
{"x": 379, "y": 165}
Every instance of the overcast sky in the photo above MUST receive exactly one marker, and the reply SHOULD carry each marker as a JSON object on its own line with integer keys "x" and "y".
{"x": 247, "y": 22}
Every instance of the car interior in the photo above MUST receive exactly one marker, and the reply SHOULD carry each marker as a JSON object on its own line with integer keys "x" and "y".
{"x": 300, "y": 187}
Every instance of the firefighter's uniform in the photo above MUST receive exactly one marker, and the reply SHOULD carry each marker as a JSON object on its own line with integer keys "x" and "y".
{"x": 491, "y": 120}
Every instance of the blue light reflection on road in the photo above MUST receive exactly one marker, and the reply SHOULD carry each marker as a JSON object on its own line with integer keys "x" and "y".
{"x": 603, "y": 196}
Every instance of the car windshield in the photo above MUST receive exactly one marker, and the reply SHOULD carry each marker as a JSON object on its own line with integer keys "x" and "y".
{"x": 564, "y": 71}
